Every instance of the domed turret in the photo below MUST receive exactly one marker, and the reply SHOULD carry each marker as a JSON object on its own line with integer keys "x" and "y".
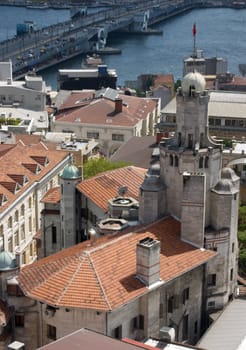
{"x": 228, "y": 173}
{"x": 70, "y": 172}
{"x": 193, "y": 81}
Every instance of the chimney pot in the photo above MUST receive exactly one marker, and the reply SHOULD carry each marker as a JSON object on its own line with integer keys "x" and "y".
{"x": 148, "y": 261}
{"x": 118, "y": 105}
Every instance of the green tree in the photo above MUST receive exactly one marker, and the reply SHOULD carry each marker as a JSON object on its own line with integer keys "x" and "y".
{"x": 99, "y": 165}
{"x": 242, "y": 240}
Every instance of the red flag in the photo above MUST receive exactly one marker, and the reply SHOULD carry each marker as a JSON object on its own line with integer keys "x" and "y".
{"x": 194, "y": 29}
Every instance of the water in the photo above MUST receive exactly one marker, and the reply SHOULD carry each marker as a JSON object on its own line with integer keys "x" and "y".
{"x": 220, "y": 32}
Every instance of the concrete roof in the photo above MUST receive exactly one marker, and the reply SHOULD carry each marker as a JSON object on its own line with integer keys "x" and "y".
{"x": 136, "y": 151}
{"x": 85, "y": 339}
{"x": 221, "y": 104}
{"x": 228, "y": 332}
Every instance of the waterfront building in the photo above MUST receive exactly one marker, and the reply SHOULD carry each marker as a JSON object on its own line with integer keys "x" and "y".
{"x": 109, "y": 117}
{"x": 22, "y": 103}
{"x": 204, "y": 65}
{"x": 93, "y": 78}
{"x": 164, "y": 277}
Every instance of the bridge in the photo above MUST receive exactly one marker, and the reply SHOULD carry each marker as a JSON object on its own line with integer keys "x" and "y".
{"x": 40, "y": 49}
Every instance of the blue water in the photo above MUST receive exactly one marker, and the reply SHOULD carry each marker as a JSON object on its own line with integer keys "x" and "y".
{"x": 220, "y": 32}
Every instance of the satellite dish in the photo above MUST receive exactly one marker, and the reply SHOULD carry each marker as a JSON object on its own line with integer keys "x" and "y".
{"x": 122, "y": 191}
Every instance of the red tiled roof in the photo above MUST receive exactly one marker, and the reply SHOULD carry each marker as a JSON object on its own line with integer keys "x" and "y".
{"x": 19, "y": 162}
{"x": 52, "y": 196}
{"x": 78, "y": 99}
{"x": 105, "y": 186}
{"x": 5, "y": 313}
{"x": 101, "y": 112}
{"x": 102, "y": 276}
{"x": 164, "y": 79}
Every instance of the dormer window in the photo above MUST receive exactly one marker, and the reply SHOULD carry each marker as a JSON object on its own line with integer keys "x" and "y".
{"x": 42, "y": 160}
{"x": 3, "y": 199}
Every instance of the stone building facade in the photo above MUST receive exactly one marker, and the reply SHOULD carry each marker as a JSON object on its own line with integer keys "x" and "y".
{"x": 167, "y": 274}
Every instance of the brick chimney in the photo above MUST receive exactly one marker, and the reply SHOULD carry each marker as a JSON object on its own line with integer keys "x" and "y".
{"x": 148, "y": 261}
{"x": 118, "y": 105}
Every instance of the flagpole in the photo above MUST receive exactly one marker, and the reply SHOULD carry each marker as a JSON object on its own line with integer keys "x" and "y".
{"x": 194, "y": 36}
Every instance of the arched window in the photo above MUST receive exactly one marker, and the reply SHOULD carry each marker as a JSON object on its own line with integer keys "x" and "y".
{"x": 16, "y": 216}
{"x": 206, "y": 162}
{"x": 171, "y": 160}
{"x": 201, "y": 162}
{"x": 176, "y": 161}
{"x": 10, "y": 222}
{"x": 22, "y": 210}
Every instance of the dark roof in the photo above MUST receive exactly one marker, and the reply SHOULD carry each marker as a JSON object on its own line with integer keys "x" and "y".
{"x": 85, "y": 339}
{"x": 137, "y": 151}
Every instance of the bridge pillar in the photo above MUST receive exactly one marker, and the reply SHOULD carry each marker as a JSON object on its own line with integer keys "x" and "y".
{"x": 141, "y": 22}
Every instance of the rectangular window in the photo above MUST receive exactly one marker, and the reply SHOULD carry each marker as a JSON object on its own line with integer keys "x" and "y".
{"x": 161, "y": 311}
{"x": 14, "y": 290}
{"x": 51, "y": 332}
{"x": 134, "y": 323}
{"x": 141, "y": 322}
{"x": 186, "y": 294}
{"x": 170, "y": 305}
{"x": 19, "y": 320}
{"x": 54, "y": 238}
{"x": 117, "y": 137}
{"x": 233, "y": 247}
{"x": 217, "y": 122}
{"x": 196, "y": 327}
{"x": 212, "y": 280}
{"x": 231, "y": 274}
{"x": 185, "y": 327}
{"x": 93, "y": 135}
{"x": 118, "y": 332}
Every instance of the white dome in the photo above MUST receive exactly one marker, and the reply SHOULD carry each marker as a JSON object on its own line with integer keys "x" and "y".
{"x": 193, "y": 81}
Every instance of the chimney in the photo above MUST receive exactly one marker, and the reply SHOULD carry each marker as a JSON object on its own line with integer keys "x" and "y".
{"x": 118, "y": 105}
{"x": 148, "y": 261}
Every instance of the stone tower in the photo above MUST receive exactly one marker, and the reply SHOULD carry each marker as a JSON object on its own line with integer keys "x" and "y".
{"x": 70, "y": 230}
{"x": 195, "y": 190}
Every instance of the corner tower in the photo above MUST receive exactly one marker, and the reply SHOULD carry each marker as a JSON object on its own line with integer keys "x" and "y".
{"x": 191, "y": 161}
{"x": 70, "y": 230}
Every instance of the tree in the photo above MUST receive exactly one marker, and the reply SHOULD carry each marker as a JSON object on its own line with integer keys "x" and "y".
{"x": 242, "y": 240}
{"x": 95, "y": 166}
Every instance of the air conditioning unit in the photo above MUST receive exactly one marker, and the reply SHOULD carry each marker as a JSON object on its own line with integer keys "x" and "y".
{"x": 16, "y": 345}
{"x": 167, "y": 333}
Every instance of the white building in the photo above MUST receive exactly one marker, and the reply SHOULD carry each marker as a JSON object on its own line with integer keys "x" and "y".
{"x": 110, "y": 118}
{"x": 24, "y": 101}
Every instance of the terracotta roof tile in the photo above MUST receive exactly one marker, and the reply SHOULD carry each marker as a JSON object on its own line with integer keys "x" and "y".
{"x": 17, "y": 163}
{"x": 52, "y": 196}
{"x": 100, "y": 111}
{"x": 102, "y": 276}
{"x": 105, "y": 186}
{"x": 78, "y": 99}
{"x": 6, "y": 312}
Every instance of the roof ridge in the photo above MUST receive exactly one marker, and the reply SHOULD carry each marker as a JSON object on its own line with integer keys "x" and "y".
{"x": 72, "y": 277}
{"x": 105, "y": 244}
{"x": 99, "y": 282}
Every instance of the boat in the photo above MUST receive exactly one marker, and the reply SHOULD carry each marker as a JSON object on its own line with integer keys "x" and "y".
{"x": 91, "y": 61}
{"x": 38, "y": 7}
